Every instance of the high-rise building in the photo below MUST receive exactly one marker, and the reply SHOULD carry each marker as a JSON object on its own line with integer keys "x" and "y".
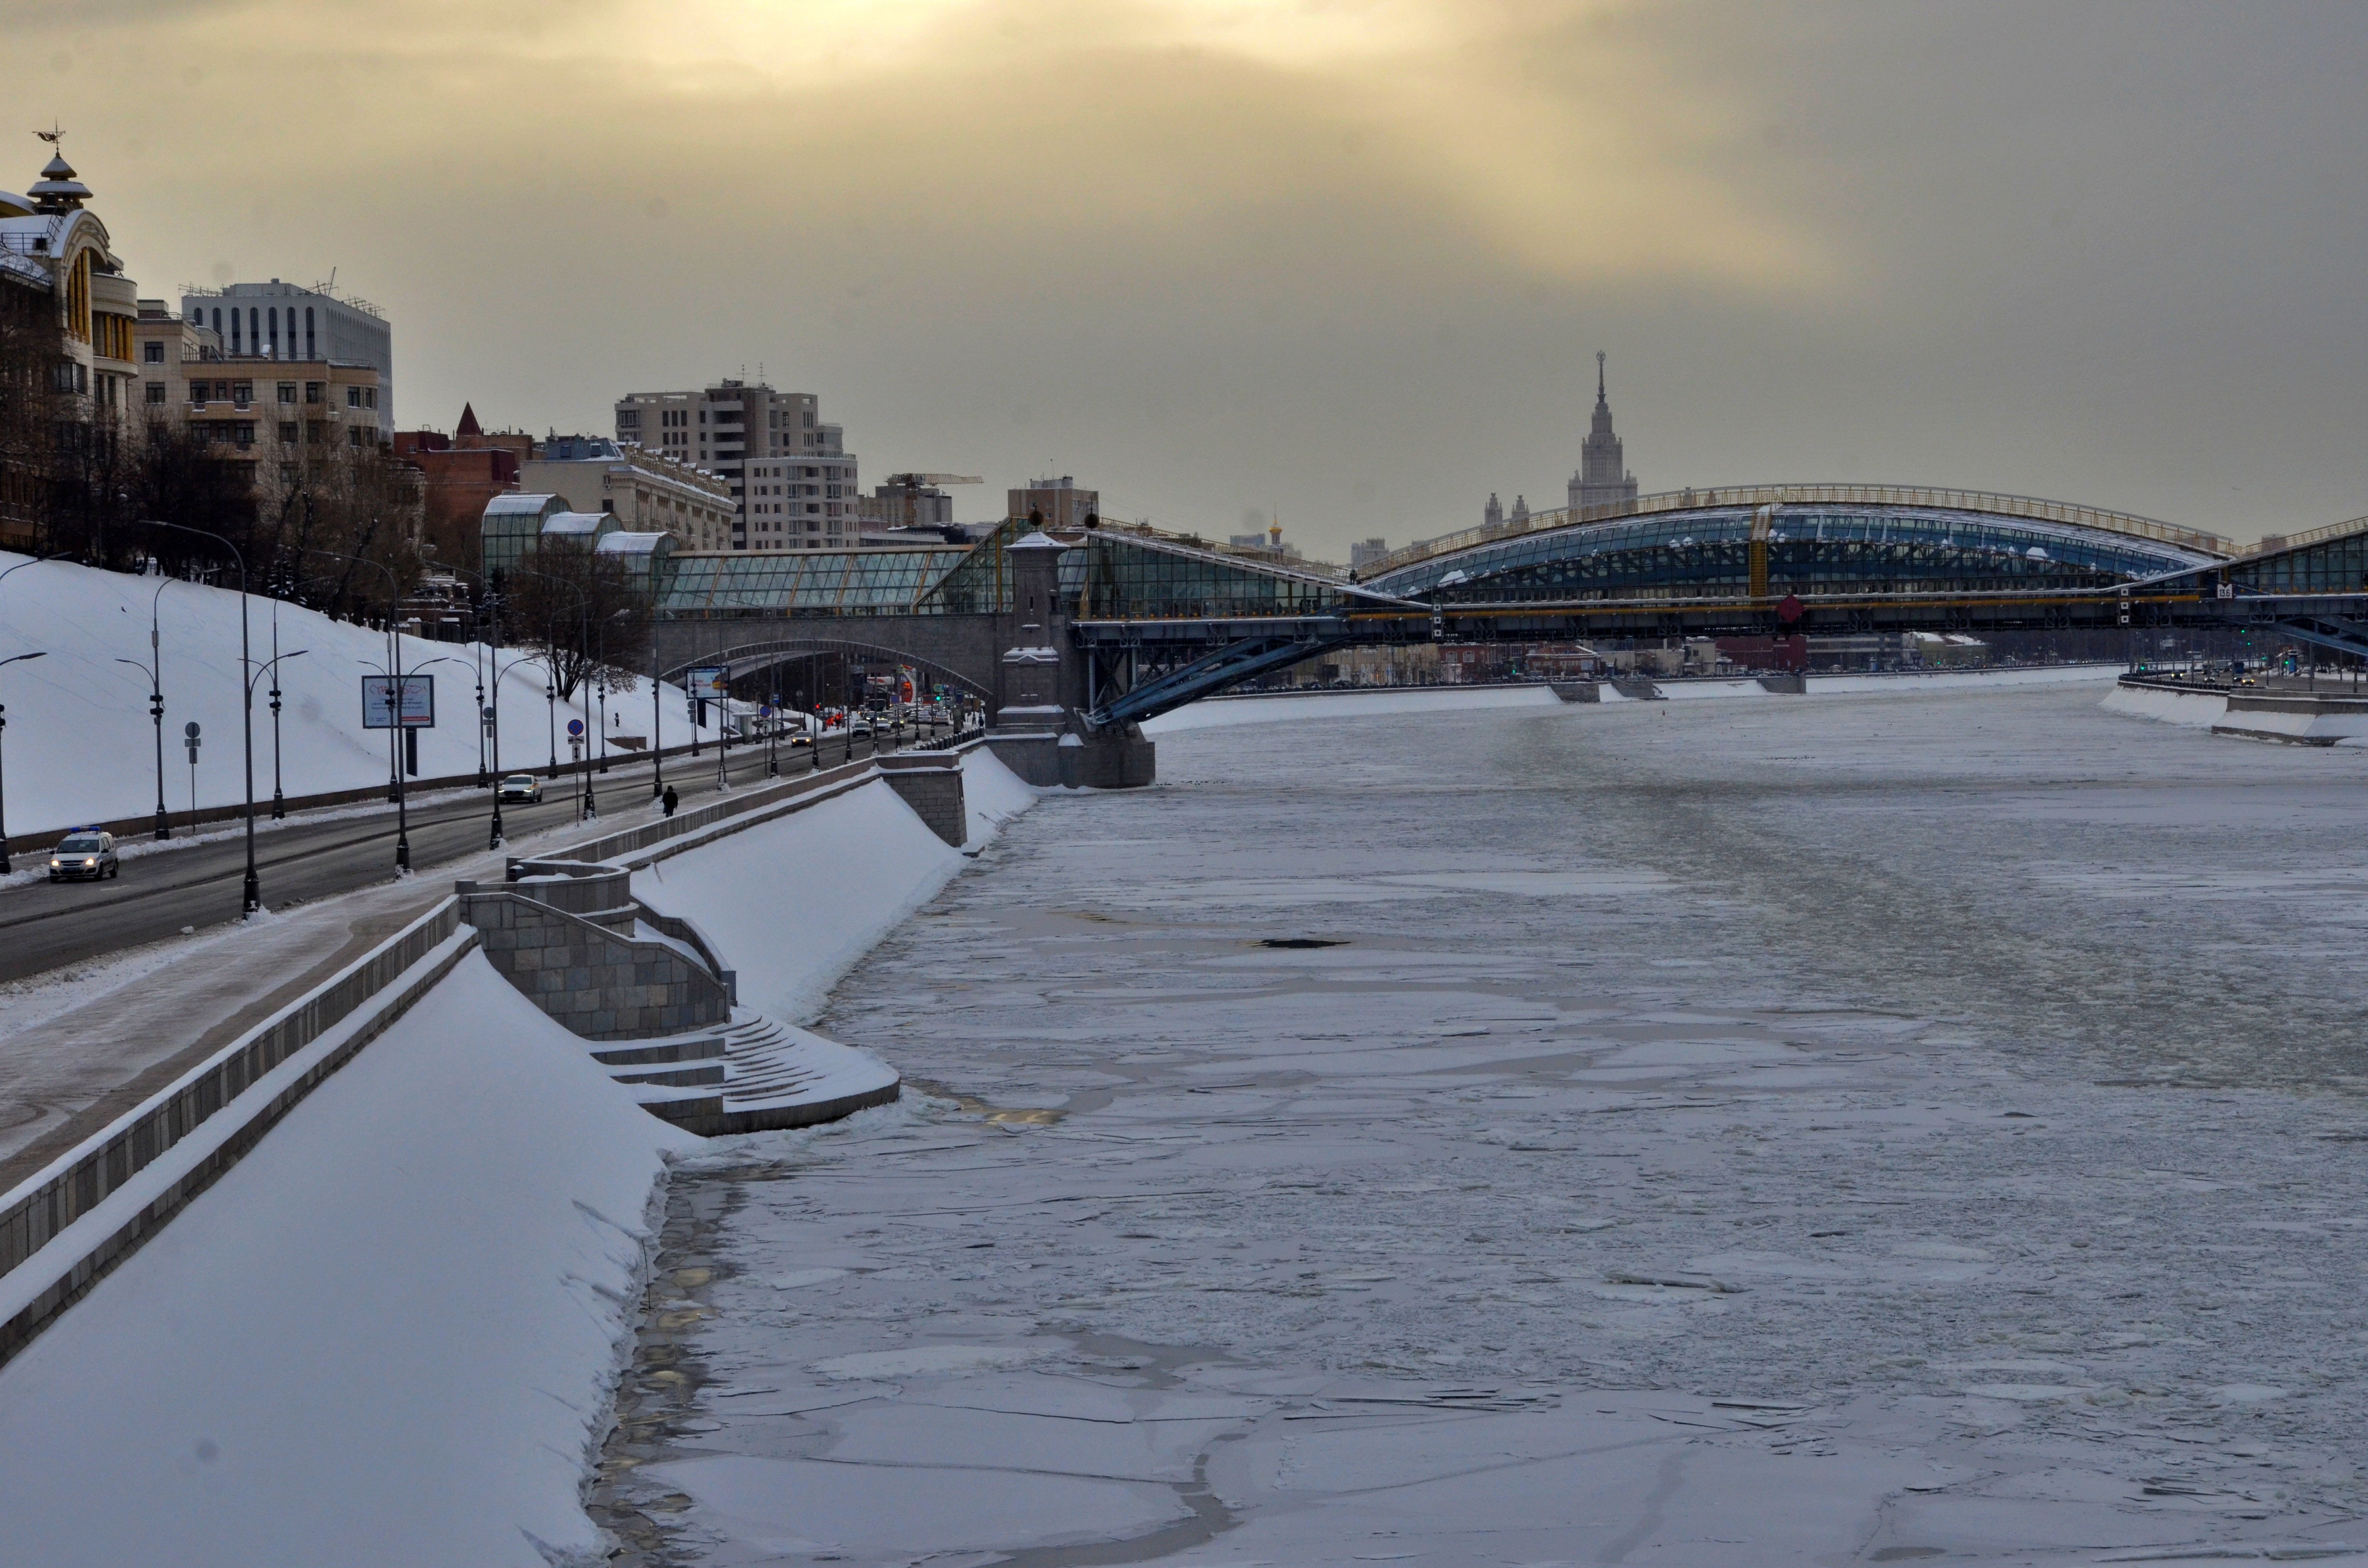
{"x": 1602, "y": 479}
{"x": 791, "y": 479}
{"x": 1365, "y": 551}
{"x": 282, "y": 320}
{"x": 1056, "y": 502}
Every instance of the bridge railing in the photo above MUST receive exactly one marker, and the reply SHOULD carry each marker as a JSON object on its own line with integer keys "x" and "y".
{"x": 1987, "y": 501}
{"x": 2312, "y": 536}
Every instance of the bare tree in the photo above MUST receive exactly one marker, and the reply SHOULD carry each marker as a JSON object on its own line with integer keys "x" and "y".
{"x": 583, "y": 609}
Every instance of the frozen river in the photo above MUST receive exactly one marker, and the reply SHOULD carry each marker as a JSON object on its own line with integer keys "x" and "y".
{"x": 1831, "y": 1129}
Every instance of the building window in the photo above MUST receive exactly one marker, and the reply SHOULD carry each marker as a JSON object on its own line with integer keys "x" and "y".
{"x": 287, "y": 473}
{"x": 245, "y": 433}
{"x": 155, "y": 395}
{"x": 152, "y": 353}
{"x": 288, "y": 391}
{"x": 354, "y": 437}
{"x": 353, "y": 397}
{"x": 242, "y": 393}
{"x": 308, "y": 334}
{"x": 312, "y": 428}
{"x": 312, "y": 392}
{"x": 288, "y": 432}
{"x": 369, "y": 397}
{"x": 198, "y": 394}
{"x": 629, "y": 419}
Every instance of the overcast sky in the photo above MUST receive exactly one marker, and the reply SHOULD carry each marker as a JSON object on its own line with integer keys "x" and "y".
{"x": 1348, "y": 260}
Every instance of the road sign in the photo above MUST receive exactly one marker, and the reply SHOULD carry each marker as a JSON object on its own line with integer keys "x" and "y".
{"x": 575, "y": 727}
{"x": 191, "y": 729}
{"x": 416, "y": 711}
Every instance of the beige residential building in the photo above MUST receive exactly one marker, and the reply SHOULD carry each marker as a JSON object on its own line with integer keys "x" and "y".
{"x": 278, "y": 417}
{"x": 645, "y": 490}
{"x": 792, "y": 481}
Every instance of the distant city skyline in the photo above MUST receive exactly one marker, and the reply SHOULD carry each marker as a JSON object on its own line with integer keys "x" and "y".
{"x": 1348, "y": 265}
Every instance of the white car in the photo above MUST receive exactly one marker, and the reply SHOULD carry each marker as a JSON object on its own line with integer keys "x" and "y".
{"x": 521, "y": 787}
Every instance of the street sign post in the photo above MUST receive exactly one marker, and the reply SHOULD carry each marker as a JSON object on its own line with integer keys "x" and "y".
{"x": 190, "y": 738}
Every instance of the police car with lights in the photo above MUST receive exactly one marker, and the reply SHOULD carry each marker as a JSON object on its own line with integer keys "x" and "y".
{"x": 85, "y": 852}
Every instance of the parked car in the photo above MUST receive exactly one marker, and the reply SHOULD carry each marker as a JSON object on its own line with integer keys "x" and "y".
{"x": 84, "y": 853}
{"x": 523, "y": 787}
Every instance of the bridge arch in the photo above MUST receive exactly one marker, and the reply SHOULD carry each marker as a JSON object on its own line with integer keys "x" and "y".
{"x": 746, "y": 658}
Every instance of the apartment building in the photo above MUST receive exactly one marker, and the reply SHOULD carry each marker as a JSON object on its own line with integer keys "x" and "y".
{"x": 1054, "y": 503}
{"x": 278, "y": 417}
{"x": 278, "y": 321}
{"x": 792, "y": 480}
{"x": 646, "y": 491}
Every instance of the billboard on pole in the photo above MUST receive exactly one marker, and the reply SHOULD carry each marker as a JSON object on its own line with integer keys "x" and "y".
{"x": 710, "y": 683}
{"x": 413, "y": 708}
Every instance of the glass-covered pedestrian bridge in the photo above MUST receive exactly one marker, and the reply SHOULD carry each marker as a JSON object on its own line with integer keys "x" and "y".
{"x": 1113, "y": 572}
{"x": 1811, "y": 540}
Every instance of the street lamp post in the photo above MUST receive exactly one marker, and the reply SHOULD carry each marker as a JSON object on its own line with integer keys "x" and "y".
{"x": 394, "y": 716}
{"x": 252, "y": 891}
{"x": 3, "y": 782}
{"x": 657, "y": 766}
{"x": 278, "y": 800}
{"x": 279, "y": 810}
{"x": 153, "y": 669}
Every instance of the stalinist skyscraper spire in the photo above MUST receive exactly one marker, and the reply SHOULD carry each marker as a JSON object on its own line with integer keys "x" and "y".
{"x": 1602, "y": 478}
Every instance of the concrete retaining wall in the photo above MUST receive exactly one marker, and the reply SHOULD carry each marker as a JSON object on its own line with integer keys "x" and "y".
{"x": 65, "y": 1227}
{"x": 931, "y": 783}
{"x": 593, "y": 982}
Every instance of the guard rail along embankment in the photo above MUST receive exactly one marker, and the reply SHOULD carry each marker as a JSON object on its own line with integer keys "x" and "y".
{"x": 62, "y": 1229}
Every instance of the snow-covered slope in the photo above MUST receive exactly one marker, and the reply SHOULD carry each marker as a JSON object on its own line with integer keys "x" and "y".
{"x": 385, "y": 1337}
{"x": 80, "y": 746}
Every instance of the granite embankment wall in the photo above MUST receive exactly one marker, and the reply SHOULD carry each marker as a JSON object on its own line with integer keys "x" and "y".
{"x": 66, "y": 1226}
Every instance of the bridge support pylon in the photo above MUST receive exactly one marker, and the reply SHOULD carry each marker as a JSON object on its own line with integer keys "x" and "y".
{"x": 1039, "y": 729}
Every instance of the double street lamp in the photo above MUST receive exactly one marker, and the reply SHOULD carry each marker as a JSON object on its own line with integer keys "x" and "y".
{"x": 252, "y": 893}
{"x": 154, "y": 670}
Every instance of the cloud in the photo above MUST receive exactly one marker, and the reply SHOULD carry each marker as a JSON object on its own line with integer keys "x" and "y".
{"x": 1549, "y": 140}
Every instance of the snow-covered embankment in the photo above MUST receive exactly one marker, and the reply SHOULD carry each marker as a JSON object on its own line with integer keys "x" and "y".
{"x": 390, "y": 1333}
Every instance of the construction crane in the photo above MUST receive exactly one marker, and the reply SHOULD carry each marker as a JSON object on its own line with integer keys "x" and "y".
{"x": 915, "y": 480}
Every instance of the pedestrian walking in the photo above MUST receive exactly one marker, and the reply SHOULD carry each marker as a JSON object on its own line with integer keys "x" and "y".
{"x": 672, "y": 799}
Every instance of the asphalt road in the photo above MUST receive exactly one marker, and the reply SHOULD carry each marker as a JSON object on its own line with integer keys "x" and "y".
{"x": 48, "y": 925}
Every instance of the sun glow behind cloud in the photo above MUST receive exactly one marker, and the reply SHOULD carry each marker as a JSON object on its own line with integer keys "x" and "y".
{"x": 1546, "y": 137}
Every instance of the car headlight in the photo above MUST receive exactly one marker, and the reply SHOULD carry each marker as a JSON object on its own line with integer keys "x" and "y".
{"x": 91, "y": 860}
{"x": 55, "y": 863}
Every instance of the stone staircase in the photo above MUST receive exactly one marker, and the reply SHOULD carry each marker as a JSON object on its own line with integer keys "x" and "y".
{"x": 656, "y": 1009}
